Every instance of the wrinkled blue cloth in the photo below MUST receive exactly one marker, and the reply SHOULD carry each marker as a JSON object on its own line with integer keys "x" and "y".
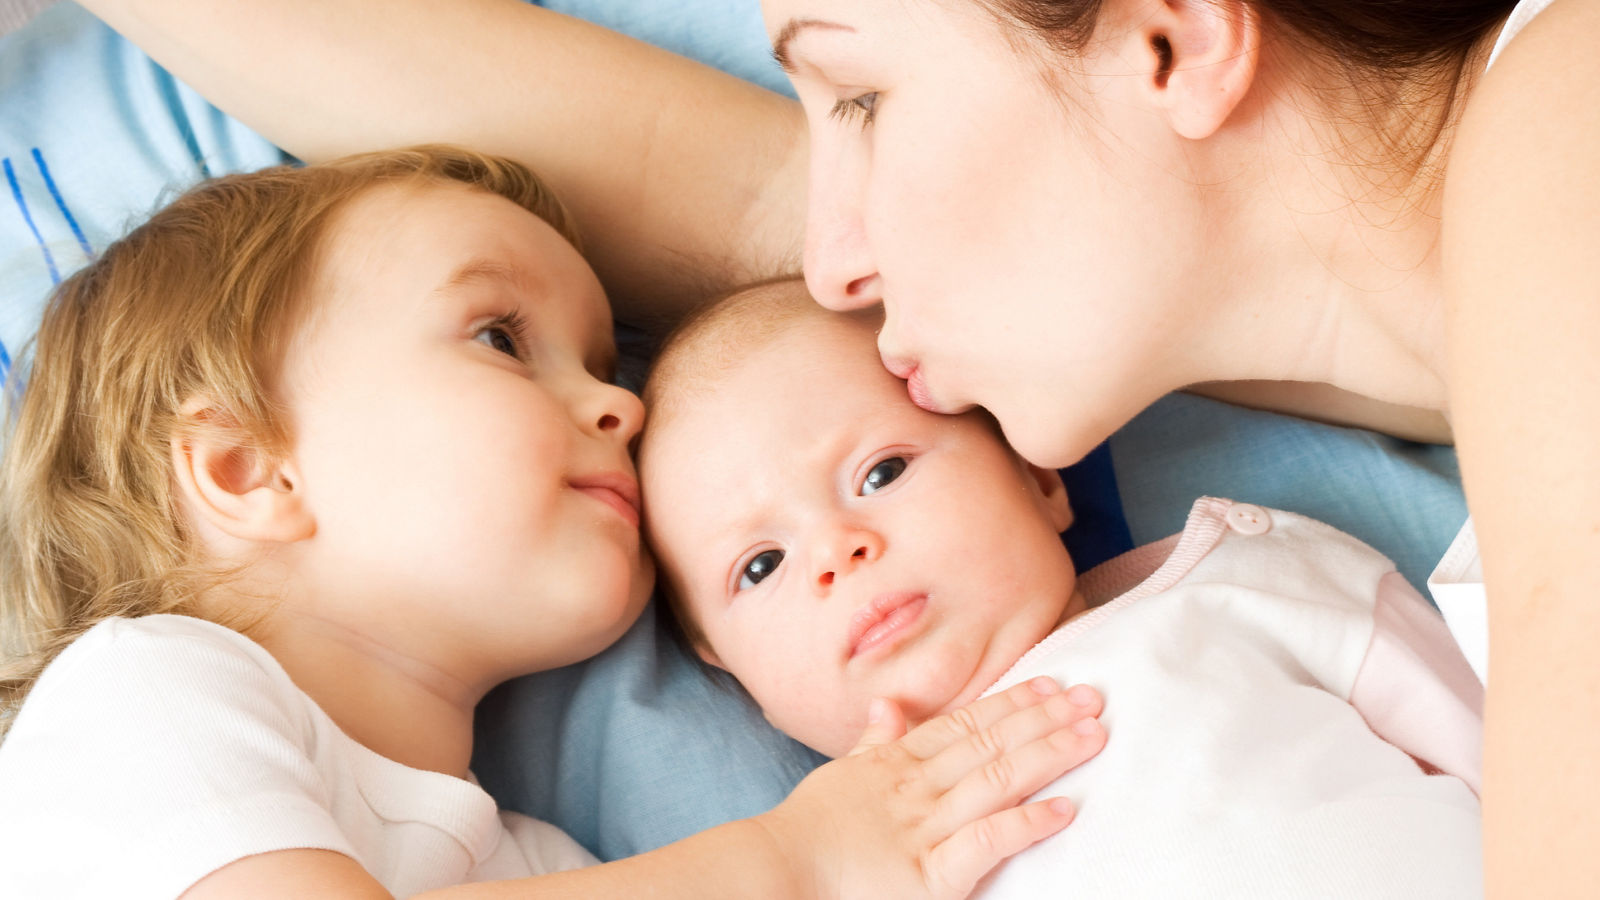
{"x": 639, "y": 746}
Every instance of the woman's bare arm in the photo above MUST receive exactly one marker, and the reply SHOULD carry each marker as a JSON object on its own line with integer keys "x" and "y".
{"x": 1521, "y": 228}
{"x": 684, "y": 180}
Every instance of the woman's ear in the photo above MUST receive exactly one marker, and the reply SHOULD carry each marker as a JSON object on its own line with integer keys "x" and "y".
{"x": 1054, "y": 495}
{"x": 232, "y": 484}
{"x": 1199, "y": 59}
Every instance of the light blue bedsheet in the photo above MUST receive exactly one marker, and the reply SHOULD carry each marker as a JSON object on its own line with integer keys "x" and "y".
{"x": 636, "y": 747}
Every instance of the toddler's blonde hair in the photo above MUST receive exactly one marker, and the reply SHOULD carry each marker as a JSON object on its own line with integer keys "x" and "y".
{"x": 199, "y": 300}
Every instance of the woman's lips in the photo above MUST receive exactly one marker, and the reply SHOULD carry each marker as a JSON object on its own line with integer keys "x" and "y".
{"x": 910, "y": 371}
{"x": 883, "y": 621}
{"x": 918, "y": 391}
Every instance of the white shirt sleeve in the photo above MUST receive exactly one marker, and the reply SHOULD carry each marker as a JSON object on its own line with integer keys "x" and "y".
{"x": 151, "y": 753}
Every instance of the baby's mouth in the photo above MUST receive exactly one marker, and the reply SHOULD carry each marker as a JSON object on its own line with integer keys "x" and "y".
{"x": 881, "y": 621}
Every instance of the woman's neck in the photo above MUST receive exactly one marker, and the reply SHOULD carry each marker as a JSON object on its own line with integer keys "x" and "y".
{"x": 1331, "y": 208}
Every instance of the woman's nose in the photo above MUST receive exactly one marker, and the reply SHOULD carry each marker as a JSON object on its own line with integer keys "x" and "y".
{"x": 841, "y": 554}
{"x": 839, "y": 268}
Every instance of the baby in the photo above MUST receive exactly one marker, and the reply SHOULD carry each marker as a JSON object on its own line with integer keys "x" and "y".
{"x": 306, "y": 464}
{"x": 1287, "y": 716}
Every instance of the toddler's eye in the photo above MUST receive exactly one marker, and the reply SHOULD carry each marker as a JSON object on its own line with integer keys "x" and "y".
{"x": 505, "y": 334}
{"x": 498, "y": 337}
{"x": 883, "y": 473}
{"x": 757, "y": 570}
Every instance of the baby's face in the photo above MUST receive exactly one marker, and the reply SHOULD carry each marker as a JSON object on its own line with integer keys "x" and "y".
{"x": 835, "y": 543}
{"x": 466, "y": 463}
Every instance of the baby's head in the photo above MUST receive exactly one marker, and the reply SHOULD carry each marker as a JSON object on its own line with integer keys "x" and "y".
{"x": 826, "y": 541}
{"x": 374, "y": 387}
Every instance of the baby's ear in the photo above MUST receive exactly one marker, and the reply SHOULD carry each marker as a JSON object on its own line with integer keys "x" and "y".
{"x": 1054, "y": 495}
{"x": 232, "y": 484}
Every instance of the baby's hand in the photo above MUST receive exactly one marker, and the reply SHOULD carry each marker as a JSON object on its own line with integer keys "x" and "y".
{"x": 932, "y": 812}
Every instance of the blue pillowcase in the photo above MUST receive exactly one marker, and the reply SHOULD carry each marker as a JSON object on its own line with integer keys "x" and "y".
{"x": 640, "y": 746}
{"x": 93, "y": 135}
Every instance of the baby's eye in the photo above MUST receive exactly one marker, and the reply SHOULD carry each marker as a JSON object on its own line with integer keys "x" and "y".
{"x": 881, "y": 474}
{"x": 757, "y": 569}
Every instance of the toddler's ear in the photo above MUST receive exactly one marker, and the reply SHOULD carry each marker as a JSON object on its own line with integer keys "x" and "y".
{"x": 232, "y": 485}
{"x": 1054, "y": 495}
{"x": 709, "y": 656}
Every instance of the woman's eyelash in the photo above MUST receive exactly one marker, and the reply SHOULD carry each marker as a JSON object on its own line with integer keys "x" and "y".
{"x": 862, "y": 107}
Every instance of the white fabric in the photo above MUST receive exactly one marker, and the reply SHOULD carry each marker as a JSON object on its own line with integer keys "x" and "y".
{"x": 1236, "y": 767}
{"x": 1457, "y": 582}
{"x": 1520, "y": 16}
{"x": 154, "y": 751}
{"x": 1457, "y": 588}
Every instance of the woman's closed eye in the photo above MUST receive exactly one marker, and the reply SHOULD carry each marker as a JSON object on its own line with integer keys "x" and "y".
{"x": 759, "y": 567}
{"x": 862, "y": 107}
{"x": 882, "y": 473}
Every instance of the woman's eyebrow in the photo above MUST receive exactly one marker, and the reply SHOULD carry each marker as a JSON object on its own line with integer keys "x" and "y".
{"x": 791, "y": 30}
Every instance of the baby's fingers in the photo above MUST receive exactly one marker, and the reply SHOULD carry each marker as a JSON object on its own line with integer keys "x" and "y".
{"x": 954, "y": 866}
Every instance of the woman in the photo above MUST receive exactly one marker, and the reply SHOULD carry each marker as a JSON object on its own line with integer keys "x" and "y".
{"x": 1067, "y": 213}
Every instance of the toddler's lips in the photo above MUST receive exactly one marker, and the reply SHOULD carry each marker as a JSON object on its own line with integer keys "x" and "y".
{"x": 615, "y": 490}
{"x": 884, "y": 620}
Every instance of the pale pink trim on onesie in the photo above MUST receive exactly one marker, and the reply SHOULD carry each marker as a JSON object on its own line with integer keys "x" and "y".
{"x": 1416, "y": 690}
{"x": 1149, "y": 570}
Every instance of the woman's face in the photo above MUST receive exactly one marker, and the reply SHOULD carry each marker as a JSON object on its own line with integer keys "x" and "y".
{"x": 1025, "y": 224}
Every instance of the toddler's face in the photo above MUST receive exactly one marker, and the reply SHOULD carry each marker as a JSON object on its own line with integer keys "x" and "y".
{"x": 465, "y": 461}
{"x": 836, "y": 543}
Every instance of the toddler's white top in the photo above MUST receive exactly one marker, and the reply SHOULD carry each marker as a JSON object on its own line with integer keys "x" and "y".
{"x": 1270, "y": 685}
{"x": 154, "y": 751}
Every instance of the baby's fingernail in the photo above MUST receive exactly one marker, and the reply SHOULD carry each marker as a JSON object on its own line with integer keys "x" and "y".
{"x": 875, "y": 711}
{"x": 1061, "y": 806}
{"x": 1044, "y": 686}
{"x": 1081, "y": 694}
{"x": 1086, "y": 727}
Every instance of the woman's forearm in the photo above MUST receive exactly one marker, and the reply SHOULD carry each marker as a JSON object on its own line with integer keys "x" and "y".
{"x": 684, "y": 180}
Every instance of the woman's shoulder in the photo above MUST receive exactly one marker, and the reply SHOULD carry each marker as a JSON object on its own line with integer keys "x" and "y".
{"x": 1541, "y": 58}
{"x": 1524, "y": 149}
